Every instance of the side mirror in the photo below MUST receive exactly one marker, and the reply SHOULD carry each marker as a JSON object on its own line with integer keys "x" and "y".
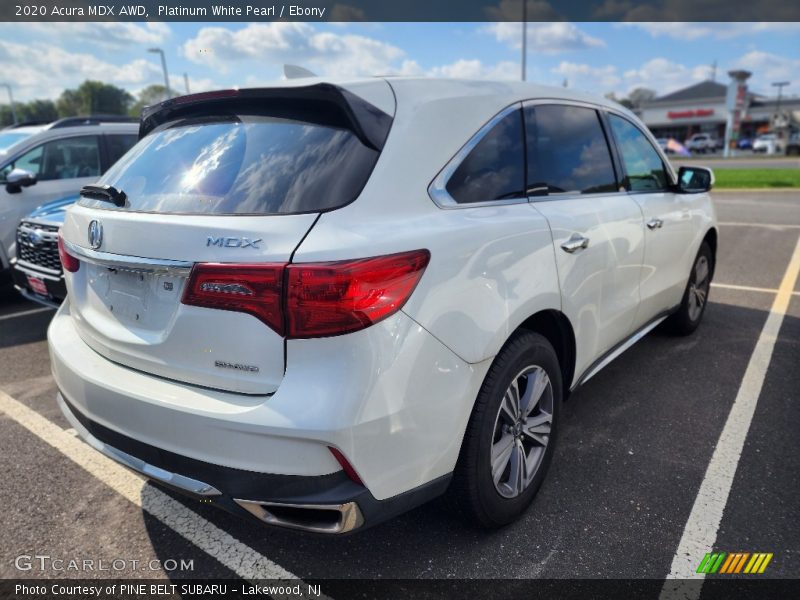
{"x": 695, "y": 180}
{"x": 18, "y": 179}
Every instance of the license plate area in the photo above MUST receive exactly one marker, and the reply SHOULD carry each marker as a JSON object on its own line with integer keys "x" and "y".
{"x": 38, "y": 286}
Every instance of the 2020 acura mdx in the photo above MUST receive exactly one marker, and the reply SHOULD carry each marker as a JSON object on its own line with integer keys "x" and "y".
{"x": 323, "y": 303}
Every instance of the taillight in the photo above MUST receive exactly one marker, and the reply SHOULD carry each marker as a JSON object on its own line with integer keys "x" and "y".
{"x": 346, "y": 466}
{"x": 340, "y": 297}
{"x": 69, "y": 262}
{"x": 318, "y": 299}
{"x": 253, "y": 289}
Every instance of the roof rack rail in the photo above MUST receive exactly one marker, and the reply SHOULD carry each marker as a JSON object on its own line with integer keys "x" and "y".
{"x": 92, "y": 120}
{"x": 28, "y": 123}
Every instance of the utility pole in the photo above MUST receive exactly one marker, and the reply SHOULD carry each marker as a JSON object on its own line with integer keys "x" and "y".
{"x": 780, "y": 85}
{"x": 11, "y": 101}
{"x": 714, "y": 70}
{"x": 164, "y": 67}
{"x": 524, "y": 38}
{"x": 186, "y": 82}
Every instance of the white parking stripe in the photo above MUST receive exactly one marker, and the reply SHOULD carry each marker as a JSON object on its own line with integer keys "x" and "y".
{"x": 748, "y": 288}
{"x": 24, "y": 313}
{"x": 236, "y": 556}
{"x": 700, "y": 532}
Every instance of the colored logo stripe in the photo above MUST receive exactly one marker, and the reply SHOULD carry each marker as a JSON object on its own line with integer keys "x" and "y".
{"x": 734, "y": 562}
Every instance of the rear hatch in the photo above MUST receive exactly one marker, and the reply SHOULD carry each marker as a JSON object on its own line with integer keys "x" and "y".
{"x": 235, "y": 177}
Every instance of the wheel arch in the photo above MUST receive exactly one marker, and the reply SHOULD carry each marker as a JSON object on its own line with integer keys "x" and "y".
{"x": 557, "y": 329}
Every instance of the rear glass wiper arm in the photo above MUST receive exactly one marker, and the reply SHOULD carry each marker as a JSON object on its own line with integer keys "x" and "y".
{"x": 104, "y": 192}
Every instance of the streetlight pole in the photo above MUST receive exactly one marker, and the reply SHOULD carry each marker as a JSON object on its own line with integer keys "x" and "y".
{"x": 780, "y": 85}
{"x": 186, "y": 82}
{"x": 164, "y": 67}
{"x": 11, "y": 101}
{"x": 524, "y": 38}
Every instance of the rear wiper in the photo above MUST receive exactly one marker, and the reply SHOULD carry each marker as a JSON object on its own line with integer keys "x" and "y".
{"x": 104, "y": 192}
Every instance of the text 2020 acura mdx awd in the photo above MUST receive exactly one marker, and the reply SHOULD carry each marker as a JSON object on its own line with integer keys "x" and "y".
{"x": 321, "y": 304}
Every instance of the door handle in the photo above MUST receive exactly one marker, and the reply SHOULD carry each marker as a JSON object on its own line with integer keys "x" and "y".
{"x": 575, "y": 243}
{"x": 655, "y": 224}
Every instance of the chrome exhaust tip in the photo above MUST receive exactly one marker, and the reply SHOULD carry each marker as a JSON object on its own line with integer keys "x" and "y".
{"x": 316, "y": 518}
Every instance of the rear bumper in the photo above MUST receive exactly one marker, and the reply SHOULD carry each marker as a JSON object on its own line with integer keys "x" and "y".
{"x": 390, "y": 398}
{"x": 327, "y": 504}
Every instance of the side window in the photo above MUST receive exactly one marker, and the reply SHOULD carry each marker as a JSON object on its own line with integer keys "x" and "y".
{"x": 31, "y": 161}
{"x": 119, "y": 144}
{"x": 70, "y": 158}
{"x": 645, "y": 171}
{"x": 567, "y": 151}
{"x": 495, "y": 168}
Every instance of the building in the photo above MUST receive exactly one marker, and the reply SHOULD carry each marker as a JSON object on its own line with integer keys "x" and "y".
{"x": 701, "y": 108}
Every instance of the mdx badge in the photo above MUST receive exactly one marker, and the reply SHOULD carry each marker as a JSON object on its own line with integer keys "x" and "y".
{"x": 233, "y": 242}
{"x": 95, "y": 234}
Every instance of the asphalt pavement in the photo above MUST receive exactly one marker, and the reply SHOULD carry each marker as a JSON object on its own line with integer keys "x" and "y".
{"x": 634, "y": 449}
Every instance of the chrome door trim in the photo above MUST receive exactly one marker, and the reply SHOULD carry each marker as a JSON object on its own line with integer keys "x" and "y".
{"x": 129, "y": 263}
{"x": 617, "y": 350}
{"x": 437, "y": 190}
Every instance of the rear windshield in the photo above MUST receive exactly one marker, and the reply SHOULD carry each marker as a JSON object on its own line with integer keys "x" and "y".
{"x": 241, "y": 165}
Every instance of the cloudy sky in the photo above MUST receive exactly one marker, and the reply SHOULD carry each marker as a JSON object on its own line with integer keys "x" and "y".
{"x": 41, "y": 59}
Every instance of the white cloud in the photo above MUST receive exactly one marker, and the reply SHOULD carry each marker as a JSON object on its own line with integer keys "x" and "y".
{"x": 475, "y": 69}
{"x": 277, "y": 43}
{"x": 593, "y": 79}
{"x": 694, "y": 31}
{"x": 109, "y": 34}
{"x": 664, "y": 76}
{"x": 768, "y": 68}
{"x": 41, "y": 70}
{"x": 546, "y": 38}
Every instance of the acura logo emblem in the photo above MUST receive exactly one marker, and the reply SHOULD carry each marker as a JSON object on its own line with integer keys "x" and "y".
{"x": 95, "y": 234}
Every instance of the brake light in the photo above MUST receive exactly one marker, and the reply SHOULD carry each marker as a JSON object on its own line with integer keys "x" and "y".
{"x": 308, "y": 300}
{"x": 252, "y": 289}
{"x": 69, "y": 262}
{"x": 341, "y": 297}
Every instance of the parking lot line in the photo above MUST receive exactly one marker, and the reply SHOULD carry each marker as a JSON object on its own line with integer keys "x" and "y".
{"x": 233, "y": 554}
{"x": 700, "y": 532}
{"x": 748, "y": 288}
{"x": 24, "y": 313}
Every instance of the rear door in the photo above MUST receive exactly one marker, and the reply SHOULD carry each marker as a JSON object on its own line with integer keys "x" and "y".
{"x": 668, "y": 217}
{"x": 597, "y": 230}
{"x": 229, "y": 184}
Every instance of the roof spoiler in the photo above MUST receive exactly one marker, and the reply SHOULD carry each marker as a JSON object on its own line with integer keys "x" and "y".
{"x": 322, "y": 103}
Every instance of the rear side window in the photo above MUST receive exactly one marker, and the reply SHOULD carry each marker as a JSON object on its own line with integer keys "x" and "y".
{"x": 495, "y": 168}
{"x": 643, "y": 166}
{"x": 567, "y": 151}
{"x": 241, "y": 164}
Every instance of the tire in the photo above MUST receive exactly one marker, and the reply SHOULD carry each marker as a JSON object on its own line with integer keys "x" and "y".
{"x": 695, "y": 298}
{"x": 495, "y": 498}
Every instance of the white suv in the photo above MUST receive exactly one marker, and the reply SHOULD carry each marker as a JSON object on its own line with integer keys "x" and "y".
{"x": 322, "y": 304}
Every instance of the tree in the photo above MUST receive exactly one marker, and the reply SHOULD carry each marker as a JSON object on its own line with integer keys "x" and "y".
{"x": 640, "y": 96}
{"x": 94, "y": 97}
{"x": 152, "y": 94}
{"x": 35, "y": 110}
{"x": 623, "y": 101}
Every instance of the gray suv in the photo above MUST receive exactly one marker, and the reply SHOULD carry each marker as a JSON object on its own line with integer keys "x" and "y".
{"x": 45, "y": 162}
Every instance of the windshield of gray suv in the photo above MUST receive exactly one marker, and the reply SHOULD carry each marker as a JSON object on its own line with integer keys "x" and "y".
{"x": 241, "y": 165}
{"x": 9, "y": 138}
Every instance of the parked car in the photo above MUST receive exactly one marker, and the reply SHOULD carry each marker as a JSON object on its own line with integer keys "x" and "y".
{"x": 323, "y": 305}
{"x": 744, "y": 144}
{"x": 702, "y": 142}
{"x": 769, "y": 143}
{"x": 36, "y": 269}
{"x": 793, "y": 145}
{"x": 45, "y": 162}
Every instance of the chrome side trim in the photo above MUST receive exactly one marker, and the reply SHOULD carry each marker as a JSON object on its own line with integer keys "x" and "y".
{"x": 350, "y": 516}
{"x": 616, "y": 351}
{"x": 129, "y": 263}
{"x": 437, "y": 190}
{"x": 187, "y": 484}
